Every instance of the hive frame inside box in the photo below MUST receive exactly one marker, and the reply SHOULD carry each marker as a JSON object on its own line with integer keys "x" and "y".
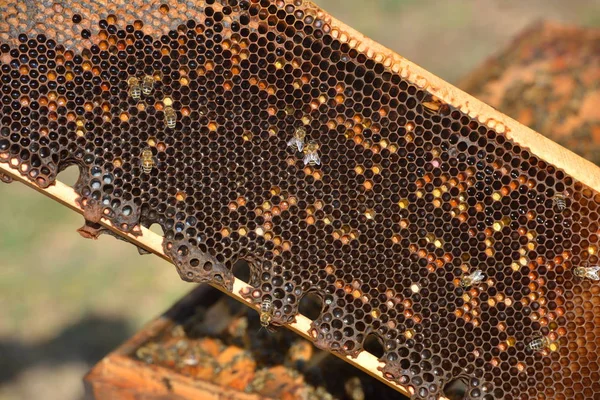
{"x": 577, "y": 167}
{"x": 118, "y": 374}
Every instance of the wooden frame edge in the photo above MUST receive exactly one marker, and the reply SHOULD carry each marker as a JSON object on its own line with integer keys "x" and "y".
{"x": 152, "y": 242}
{"x": 539, "y": 145}
{"x": 122, "y": 374}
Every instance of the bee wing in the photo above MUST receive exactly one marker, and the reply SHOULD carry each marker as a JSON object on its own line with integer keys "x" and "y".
{"x": 594, "y": 273}
{"x": 478, "y": 275}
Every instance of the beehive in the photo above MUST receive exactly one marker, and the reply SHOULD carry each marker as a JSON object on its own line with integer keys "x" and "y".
{"x": 209, "y": 346}
{"x": 268, "y": 131}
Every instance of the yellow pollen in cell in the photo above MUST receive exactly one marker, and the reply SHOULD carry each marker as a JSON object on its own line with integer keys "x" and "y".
{"x": 592, "y": 250}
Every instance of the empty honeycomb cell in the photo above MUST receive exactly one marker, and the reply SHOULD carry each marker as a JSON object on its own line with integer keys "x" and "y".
{"x": 248, "y": 131}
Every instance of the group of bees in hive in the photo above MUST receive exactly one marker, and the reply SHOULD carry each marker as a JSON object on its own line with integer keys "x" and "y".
{"x": 310, "y": 149}
{"x": 144, "y": 86}
{"x": 139, "y": 87}
{"x": 539, "y": 342}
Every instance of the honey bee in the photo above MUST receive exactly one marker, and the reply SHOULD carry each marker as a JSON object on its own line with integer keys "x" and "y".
{"x": 170, "y": 114}
{"x": 560, "y": 202}
{"x": 538, "y": 343}
{"x": 260, "y": 380}
{"x": 297, "y": 141}
{"x": 147, "y": 84}
{"x": 433, "y": 106}
{"x": 266, "y": 312}
{"x": 145, "y": 354}
{"x": 472, "y": 279}
{"x": 354, "y": 389}
{"x": 170, "y": 117}
{"x": 300, "y": 352}
{"x": 311, "y": 154}
{"x": 592, "y": 273}
{"x": 135, "y": 91}
{"x": 147, "y": 160}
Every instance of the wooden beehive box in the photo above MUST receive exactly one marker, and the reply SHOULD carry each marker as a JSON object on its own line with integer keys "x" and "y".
{"x": 208, "y": 346}
{"x": 548, "y": 79}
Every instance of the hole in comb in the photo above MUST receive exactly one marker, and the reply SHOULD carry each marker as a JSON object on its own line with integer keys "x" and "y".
{"x": 373, "y": 345}
{"x": 69, "y": 176}
{"x": 457, "y": 388}
{"x": 311, "y": 306}
{"x": 241, "y": 270}
{"x": 156, "y": 228}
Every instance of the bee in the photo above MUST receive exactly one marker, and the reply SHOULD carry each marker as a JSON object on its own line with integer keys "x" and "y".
{"x": 300, "y": 352}
{"x": 592, "y": 273}
{"x": 147, "y": 84}
{"x": 433, "y": 106}
{"x": 297, "y": 141}
{"x": 311, "y": 154}
{"x": 353, "y": 388}
{"x": 266, "y": 312}
{"x": 170, "y": 117}
{"x": 560, "y": 202}
{"x": 147, "y": 160}
{"x": 472, "y": 279}
{"x": 538, "y": 343}
{"x": 135, "y": 91}
{"x": 260, "y": 380}
{"x": 170, "y": 114}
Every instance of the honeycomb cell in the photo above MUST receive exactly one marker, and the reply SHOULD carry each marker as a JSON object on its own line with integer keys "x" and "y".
{"x": 249, "y": 130}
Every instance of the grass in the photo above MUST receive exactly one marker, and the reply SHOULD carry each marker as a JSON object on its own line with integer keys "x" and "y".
{"x": 49, "y": 275}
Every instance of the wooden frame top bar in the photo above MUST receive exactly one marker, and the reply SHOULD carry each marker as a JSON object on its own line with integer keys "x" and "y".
{"x": 551, "y": 152}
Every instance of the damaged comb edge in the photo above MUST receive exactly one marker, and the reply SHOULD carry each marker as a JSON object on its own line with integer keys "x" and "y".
{"x": 153, "y": 243}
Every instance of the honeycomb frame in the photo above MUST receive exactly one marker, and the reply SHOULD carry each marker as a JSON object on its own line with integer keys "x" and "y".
{"x": 477, "y": 188}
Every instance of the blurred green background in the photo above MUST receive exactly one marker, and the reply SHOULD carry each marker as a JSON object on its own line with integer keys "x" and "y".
{"x": 65, "y": 301}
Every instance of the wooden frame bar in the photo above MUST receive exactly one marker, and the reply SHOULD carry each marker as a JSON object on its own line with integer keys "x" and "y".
{"x": 551, "y": 152}
{"x": 152, "y": 242}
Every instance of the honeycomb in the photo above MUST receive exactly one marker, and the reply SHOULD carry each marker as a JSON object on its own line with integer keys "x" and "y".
{"x": 251, "y": 131}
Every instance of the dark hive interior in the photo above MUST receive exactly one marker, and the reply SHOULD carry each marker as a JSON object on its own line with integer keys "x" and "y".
{"x": 212, "y": 337}
{"x": 451, "y": 245}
